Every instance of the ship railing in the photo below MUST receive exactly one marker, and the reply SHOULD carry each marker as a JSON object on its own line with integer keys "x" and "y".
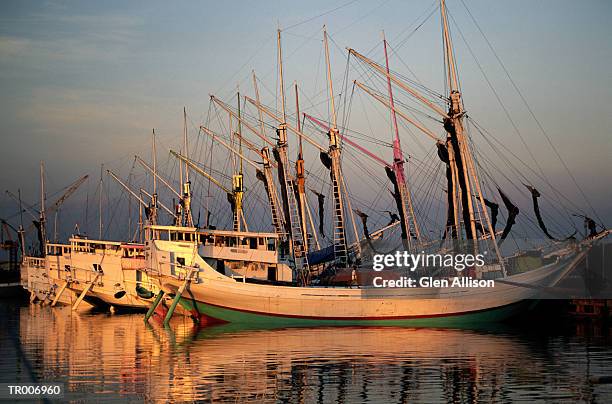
{"x": 35, "y": 262}
{"x": 83, "y": 274}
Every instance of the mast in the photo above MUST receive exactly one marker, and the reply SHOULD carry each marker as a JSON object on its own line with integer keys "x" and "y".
{"x": 464, "y": 161}
{"x": 237, "y": 179}
{"x": 333, "y": 154}
{"x": 230, "y": 193}
{"x": 153, "y": 207}
{"x": 280, "y": 73}
{"x": 455, "y": 134}
{"x": 43, "y": 218}
{"x": 100, "y": 203}
{"x": 185, "y": 200}
{"x": 299, "y": 175}
{"x": 159, "y": 177}
{"x": 261, "y": 122}
{"x": 293, "y": 223}
{"x": 266, "y": 177}
{"x": 403, "y": 198}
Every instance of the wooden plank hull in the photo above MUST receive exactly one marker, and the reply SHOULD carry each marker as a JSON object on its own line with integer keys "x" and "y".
{"x": 216, "y": 298}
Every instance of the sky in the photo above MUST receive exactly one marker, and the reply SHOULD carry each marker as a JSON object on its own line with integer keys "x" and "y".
{"x": 84, "y": 82}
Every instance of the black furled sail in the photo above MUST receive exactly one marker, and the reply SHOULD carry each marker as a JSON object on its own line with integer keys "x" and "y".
{"x": 513, "y": 212}
{"x": 494, "y": 208}
{"x": 398, "y": 200}
{"x": 321, "y": 203}
{"x": 450, "y": 215}
{"x": 283, "y": 184}
{"x": 536, "y": 208}
{"x": 364, "y": 222}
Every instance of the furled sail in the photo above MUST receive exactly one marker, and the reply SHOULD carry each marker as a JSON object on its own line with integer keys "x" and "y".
{"x": 450, "y": 215}
{"x": 321, "y": 202}
{"x": 393, "y": 217}
{"x": 325, "y": 159}
{"x": 454, "y": 142}
{"x": 283, "y": 183}
{"x": 494, "y": 208}
{"x": 513, "y": 212}
{"x": 591, "y": 225}
{"x": 364, "y": 222}
{"x": 398, "y": 201}
{"x": 40, "y": 237}
{"x": 536, "y": 207}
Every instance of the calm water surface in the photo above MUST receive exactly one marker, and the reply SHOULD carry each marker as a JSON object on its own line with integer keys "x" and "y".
{"x": 116, "y": 357}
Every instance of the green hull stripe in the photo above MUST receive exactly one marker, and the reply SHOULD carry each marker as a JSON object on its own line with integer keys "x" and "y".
{"x": 262, "y": 320}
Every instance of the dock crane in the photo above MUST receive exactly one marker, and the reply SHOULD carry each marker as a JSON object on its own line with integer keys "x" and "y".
{"x": 38, "y": 215}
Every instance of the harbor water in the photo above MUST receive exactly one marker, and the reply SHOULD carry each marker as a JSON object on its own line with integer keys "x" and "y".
{"x": 117, "y": 357}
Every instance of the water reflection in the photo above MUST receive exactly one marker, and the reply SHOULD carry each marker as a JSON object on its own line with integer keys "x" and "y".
{"x": 118, "y": 357}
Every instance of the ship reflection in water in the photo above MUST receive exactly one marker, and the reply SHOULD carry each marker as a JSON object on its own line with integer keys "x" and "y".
{"x": 118, "y": 357}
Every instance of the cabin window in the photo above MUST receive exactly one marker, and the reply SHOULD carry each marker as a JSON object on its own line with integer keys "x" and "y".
{"x": 172, "y": 236}
{"x": 262, "y": 240}
{"x": 98, "y": 268}
{"x": 253, "y": 243}
{"x": 180, "y": 261}
{"x": 138, "y": 276}
{"x": 271, "y": 244}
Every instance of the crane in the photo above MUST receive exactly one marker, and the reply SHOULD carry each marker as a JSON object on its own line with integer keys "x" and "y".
{"x": 55, "y": 207}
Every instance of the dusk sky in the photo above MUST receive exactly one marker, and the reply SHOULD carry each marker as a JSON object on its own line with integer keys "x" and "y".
{"x": 83, "y": 82}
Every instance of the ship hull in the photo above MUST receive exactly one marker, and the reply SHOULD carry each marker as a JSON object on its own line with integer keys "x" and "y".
{"x": 212, "y": 314}
{"x": 214, "y": 298}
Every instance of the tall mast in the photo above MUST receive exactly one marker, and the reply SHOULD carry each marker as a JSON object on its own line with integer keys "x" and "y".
{"x": 299, "y": 174}
{"x": 340, "y": 245}
{"x": 239, "y": 130}
{"x": 185, "y": 143}
{"x": 43, "y": 218}
{"x": 153, "y": 212}
{"x": 185, "y": 203}
{"x": 451, "y": 68}
{"x": 265, "y": 176}
{"x": 100, "y": 203}
{"x": 457, "y": 141}
{"x": 261, "y": 122}
{"x": 280, "y": 75}
{"x": 329, "y": 81}
{"x": 293, "y": 224}
{"x": 403, "y": 198}
{"x": 237, "y": 179}
{"x": 454, "y": 127}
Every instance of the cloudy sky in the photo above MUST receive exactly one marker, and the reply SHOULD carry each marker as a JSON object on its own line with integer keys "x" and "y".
{"x": 83, "y": 82}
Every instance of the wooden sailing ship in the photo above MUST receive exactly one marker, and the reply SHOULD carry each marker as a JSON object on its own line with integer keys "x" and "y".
{"x": 314, "y": 299}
